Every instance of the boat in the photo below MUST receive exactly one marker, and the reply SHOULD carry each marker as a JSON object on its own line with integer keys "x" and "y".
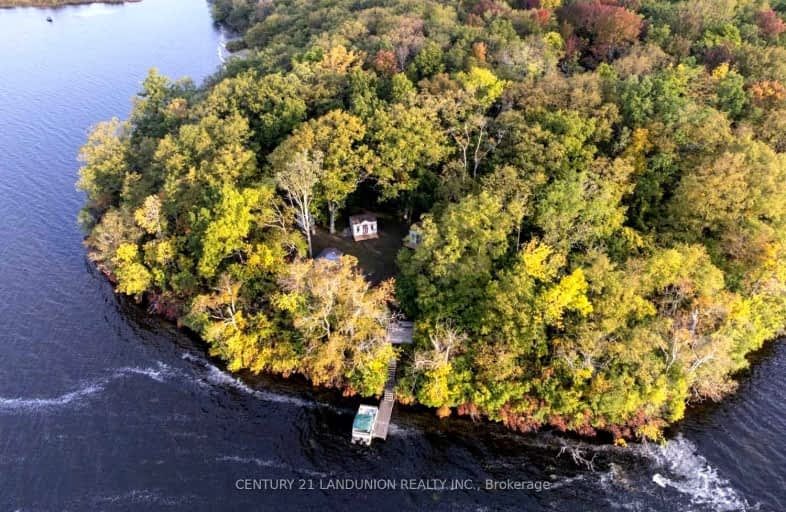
{"x": 371, "y": 421}
{"x": 363, "y": 425}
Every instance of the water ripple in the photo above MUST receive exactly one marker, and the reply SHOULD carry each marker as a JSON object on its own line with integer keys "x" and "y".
{"x": 21, "y": 404}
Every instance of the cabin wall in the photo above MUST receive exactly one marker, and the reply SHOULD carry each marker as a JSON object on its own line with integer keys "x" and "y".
{"x": 365, "y": 230}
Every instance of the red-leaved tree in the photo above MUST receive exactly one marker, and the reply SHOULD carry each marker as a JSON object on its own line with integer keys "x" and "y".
{"x": 607, "y": 28}
{"x": 770, "y": 25}
{"x": 385, "y": 62}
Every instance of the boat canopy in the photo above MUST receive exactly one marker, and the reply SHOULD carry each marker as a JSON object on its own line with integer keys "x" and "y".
{"x": 364, "y": 419}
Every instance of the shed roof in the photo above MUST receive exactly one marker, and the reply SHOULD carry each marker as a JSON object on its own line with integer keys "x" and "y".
{"x": 363, "y": 217}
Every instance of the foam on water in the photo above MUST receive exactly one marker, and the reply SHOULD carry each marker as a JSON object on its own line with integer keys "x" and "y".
{"x": 20, "y": 404}
{"x": 221, "y": 49}
{"x": 191, "y": 357}
{"x": 218, "y": 377}
{"x": 142, "y": 496}
{"x": 17, "y": 404}
{"x": 682, "y": 468}
{"x": 158, "y": 374}
{"x": 566, "y": 481}
{"x": 395, "y": 430}
{"x": 268, "y": 463}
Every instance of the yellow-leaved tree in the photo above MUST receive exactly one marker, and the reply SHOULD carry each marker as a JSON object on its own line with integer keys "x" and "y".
{"x": 340, "y": 322}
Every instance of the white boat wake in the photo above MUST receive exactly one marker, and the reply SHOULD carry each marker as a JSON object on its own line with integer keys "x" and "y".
{"x": 267, "y": 463}
{"x": 682, "y": 468}
{"x": 219, "y": 377}
{"x": 20, "y": 404}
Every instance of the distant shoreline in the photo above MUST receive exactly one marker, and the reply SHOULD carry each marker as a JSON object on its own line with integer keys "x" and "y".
{"x": 8, "y": 4}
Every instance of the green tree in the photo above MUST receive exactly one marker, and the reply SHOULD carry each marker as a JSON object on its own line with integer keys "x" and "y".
{"x": 103, "y": 156}
{"x": 407, "y": 141}
{"x": 338, "y": 137}
{"x": 226, "y": 234}
{"x": 272, "y": 104}
{"x": 445, "y": 277}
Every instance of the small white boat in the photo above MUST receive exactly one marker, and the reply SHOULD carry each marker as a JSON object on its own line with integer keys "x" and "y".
{"x": 363, "y": 425}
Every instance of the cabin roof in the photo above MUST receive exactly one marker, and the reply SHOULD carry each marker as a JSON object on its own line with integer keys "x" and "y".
{"x": 363, "y": 217}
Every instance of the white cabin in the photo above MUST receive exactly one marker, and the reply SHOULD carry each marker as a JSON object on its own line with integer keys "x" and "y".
{"x": 363, "y": 227}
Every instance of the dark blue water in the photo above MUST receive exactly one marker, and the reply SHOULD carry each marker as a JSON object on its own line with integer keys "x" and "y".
{"x": 104, "y": 408}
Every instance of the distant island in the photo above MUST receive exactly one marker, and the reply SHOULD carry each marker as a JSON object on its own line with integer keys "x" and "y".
{"x": 578, "y": 203}
{"x": 57, "y": 3}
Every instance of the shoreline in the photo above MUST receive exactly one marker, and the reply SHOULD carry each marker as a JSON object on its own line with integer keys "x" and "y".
{"x": 300, "y": 383}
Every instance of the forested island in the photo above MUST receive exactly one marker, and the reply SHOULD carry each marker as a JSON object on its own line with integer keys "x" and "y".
{"x": 597, "y": 189}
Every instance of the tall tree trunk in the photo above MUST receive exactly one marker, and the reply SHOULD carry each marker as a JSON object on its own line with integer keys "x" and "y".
{"x": 332, "y": 207}
{"x": 308, "y": 237}
{"x": 307, "y": 228}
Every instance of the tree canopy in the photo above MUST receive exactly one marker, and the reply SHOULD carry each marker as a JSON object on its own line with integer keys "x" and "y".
{"x": 598, "y": 185}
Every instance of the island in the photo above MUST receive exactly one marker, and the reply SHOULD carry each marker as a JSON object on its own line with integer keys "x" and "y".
{"x": 578, "y": 204}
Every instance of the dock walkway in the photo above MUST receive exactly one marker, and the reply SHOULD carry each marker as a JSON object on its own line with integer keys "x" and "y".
{"x": 386, "y": 404}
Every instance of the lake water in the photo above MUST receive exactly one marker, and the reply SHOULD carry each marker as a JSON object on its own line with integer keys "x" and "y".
{"x": 104, "y": 408}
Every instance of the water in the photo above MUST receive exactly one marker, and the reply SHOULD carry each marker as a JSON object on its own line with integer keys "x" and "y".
{"x": 103, "y": 408}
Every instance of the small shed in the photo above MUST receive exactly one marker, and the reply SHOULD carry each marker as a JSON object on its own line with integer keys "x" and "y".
{"x": 363, "y": 227}
{"x": 330, "y": 254}
{"x": 414, "y": 237}
{"x": 400, "y": 332}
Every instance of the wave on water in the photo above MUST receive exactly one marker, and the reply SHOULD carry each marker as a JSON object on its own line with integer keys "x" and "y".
{"x": 395, "y": 430}
{"x": 267, "y": 463}
{"x": 157, "y": 374}
{"x": 222, "y": 47}
{"x": 20, "y": 404}
{"x": 14, "y": 404}
{"x": 140, "y": 496}
{"x": 96, "y": 11}
{"x": 682, "y": 468}
{"x": 219, "y": 377}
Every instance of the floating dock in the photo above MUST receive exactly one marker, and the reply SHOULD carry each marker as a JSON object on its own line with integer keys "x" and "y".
{"x": 373, "y": 422}
{"x": 386, "y": 404}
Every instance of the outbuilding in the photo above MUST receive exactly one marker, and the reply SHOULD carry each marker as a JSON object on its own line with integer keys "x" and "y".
{"x": 414, "y": 237}
{"x": 363, "y": 227}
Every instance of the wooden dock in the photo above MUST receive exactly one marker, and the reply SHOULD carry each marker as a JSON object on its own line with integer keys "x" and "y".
{"x": 399, "y": 332}
{"x": 386, "y": 404}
